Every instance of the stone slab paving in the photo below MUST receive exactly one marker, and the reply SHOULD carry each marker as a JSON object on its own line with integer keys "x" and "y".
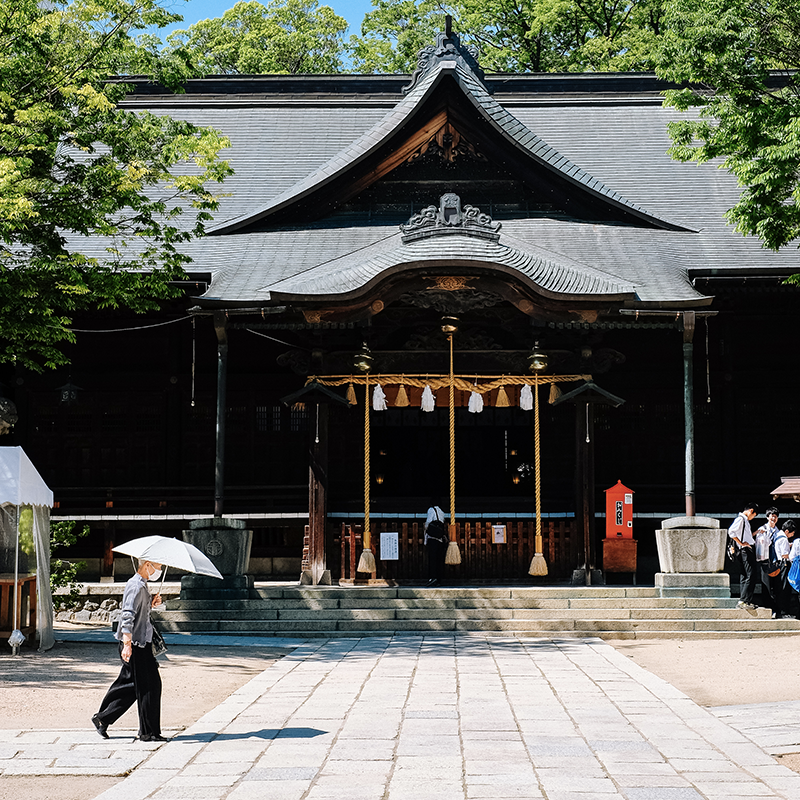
{"x": 445, "y": 718}
{"x": 775, "y": 727}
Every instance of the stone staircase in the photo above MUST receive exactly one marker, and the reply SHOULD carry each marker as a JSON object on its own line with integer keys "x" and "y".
{"x": 607, "y": 612}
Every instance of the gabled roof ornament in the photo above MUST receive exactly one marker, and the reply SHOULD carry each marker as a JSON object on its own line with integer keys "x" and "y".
{"x": 448, "y": 219}
{"x": 448, "y": 48}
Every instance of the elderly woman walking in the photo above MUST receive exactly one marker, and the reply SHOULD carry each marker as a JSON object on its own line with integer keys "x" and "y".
{"x": 138, "y": 679}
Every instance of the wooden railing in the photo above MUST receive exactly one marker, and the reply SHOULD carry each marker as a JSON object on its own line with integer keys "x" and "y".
{"x": 481, "y": 559}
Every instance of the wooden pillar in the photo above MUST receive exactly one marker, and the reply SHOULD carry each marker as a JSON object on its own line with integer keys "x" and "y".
{"x": 317, "y": 496}
{"x": 584, "y": 486}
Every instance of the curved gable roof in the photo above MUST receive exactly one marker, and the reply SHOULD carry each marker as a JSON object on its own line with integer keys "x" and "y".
{"x": 392, "y": 133}
{"x": 544, "y": 272}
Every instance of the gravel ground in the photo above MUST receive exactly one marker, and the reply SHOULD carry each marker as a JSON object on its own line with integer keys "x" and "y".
{"x": 61, "y": 689}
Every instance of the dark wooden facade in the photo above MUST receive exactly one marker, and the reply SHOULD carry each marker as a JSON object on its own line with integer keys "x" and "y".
{"x": 133, "y": 444}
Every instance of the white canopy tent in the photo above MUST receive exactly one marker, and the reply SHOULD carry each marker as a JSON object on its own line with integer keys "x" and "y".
{"x": 21, "y": 486}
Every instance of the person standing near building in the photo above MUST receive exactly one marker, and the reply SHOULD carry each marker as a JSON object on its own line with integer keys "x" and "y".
{"x": 742, "y": 536}
{"x": 436, "y": 541}
{"x": 767, "y": 560}
{"x": 139, "y": 680}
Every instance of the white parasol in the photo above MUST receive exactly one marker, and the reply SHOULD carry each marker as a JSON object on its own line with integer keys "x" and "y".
{"x": 171, "y": 553}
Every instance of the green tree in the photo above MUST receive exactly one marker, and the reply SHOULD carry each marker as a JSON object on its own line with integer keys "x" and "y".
{"x": 744, "y": 113}
{"x": 515, "y": 35}
{"x": 285, "y": 36}
{"x": 64, "y": 573}
{"x": 74, "y": 164}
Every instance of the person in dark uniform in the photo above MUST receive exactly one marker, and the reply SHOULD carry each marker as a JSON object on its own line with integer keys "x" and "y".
{"x": 139, "y": 680}
{"x": 436, "y": 541}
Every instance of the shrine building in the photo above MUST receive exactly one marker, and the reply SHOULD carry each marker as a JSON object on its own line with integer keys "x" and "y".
{"x": 498, "y": 291}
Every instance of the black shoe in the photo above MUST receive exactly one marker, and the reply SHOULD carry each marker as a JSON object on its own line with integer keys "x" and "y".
{"x": 102, "y": 728}
{"x": 153, "y": 737}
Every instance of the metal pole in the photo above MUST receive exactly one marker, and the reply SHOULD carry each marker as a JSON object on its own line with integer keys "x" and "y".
{"x": 688, "y": 410}
{"x": 15, "y": 648}
{"x": 222, "y": 380}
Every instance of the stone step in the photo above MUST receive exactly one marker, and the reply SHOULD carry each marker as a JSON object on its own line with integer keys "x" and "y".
{"x": 333, "y": 614}
{"x": 323, "y": 603}
{"x": 464, "y": 592}
{"x": 588, "y": 627}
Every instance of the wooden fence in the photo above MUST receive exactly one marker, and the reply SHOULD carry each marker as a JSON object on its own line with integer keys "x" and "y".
{"x": 481, "y": 558}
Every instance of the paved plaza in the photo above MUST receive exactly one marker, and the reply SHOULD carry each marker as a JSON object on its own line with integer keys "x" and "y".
{"x": 439, "y": 718}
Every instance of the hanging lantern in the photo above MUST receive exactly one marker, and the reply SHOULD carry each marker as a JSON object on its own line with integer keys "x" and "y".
{"x": 68, "y": 393}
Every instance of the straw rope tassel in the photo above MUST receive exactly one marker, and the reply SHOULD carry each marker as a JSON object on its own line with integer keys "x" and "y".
{"x": 538, "y": 563}
{"x": 453, "y": 555}
{"x": 366, "y": 563}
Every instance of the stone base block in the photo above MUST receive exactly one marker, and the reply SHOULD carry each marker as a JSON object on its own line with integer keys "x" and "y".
{"x": 307, "y": 578}
{"x": 231, "y": 587}
{"x": 693, "y": 584}
{"x": 579, "y": 578}
{"x": 225, "y": 541}
{"x": 691, "y": 549}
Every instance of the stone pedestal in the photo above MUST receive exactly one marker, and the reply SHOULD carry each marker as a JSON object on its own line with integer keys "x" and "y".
{"x": 691, "y": 544}
{"x": 691, "y": 553}
{"x": 693, "y": 584}
{"x": 227, "y": 543}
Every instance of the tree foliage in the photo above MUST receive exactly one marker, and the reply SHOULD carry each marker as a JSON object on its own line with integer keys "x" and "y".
{"x": 745, "y": 114}
{"x": 74, "y": 164}
{"x": 515, "y": 35}
{"x": 64, "y": 573}
{"x": 285, "y": 36}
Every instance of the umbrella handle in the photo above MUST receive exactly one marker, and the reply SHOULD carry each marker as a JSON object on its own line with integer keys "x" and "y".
{"x": 163, "y": 578}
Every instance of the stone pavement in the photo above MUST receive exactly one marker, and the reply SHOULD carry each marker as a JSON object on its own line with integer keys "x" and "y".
{"x": 775, "y": 727}
{"x": 447, "y": 718}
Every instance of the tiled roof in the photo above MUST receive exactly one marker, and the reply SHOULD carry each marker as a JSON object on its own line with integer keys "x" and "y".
{"x": 614, "y": 142}
{"x": 504, "y": 124}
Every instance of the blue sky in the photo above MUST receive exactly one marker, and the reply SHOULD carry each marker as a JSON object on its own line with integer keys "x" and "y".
{"x": 194, "y": 10}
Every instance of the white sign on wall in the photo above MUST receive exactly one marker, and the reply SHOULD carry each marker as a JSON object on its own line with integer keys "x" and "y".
{"x": 390, "y": 546}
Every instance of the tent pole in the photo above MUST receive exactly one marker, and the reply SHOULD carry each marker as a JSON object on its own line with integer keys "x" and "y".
{"x": 15, "y": 648}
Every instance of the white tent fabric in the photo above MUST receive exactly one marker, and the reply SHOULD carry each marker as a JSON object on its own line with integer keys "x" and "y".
{"x": 20, "y": 483}
{"x": 20, "y": 486}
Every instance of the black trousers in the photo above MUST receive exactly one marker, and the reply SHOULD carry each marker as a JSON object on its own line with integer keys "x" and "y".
{"x": 747, "y": 580}
{"x": 436, "y": 554}
{"x": 139, "y": 682}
